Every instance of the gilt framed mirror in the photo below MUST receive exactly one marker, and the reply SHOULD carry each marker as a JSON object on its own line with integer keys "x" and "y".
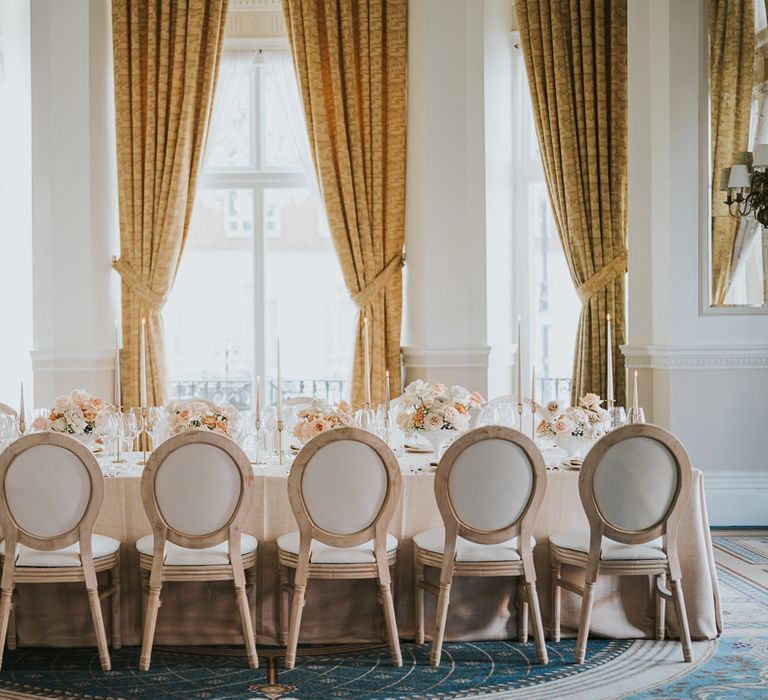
{"x": 734, "y": 144}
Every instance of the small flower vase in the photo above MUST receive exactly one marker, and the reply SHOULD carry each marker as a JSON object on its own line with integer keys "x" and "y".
{"x": 437, "y": 438}
{"x": 573, "y": 445}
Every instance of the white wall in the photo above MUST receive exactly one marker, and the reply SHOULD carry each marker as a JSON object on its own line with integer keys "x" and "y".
{"x": 15, "y": 202}
{"x": 455, "y": 216}
{"x": 74, "y": 205}
{"x": 703, "y": 377}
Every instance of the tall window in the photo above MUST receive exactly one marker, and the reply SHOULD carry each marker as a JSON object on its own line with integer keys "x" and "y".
{"x": 546, "y": 293}
{"x": 258, "y": 264}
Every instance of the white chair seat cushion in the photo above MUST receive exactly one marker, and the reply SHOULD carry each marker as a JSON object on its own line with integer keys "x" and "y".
{"x": 186, "y": 556}
{"x": 578, "y": 540}
{"x": 434, "y": 541}
{"x": 101, "y": 546}
{"x": 321, "y": 553}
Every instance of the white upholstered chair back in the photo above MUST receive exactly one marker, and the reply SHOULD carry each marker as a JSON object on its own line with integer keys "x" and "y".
{"x": 633, "y": 481}
{"x": 488, "y": 483}
{"x": 343, "y": 487}
{"x": 51, "y": 491}
{"x": 195, "y": 487}
{"x": 7, "y": 410}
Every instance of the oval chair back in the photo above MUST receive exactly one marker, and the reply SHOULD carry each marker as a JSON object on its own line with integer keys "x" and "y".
{"x": 634, "y": 485}
{"x": 489, "y": 486}
{"x": 195, "y": 489}
{"x": 51, "y": 492}
{"x": 343, "y": 488}
{"x": 7, "y": 410}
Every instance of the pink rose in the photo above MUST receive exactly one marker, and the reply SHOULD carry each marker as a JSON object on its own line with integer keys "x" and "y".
{"x": 563, "y": 425}
{"x": 40, "y": 423}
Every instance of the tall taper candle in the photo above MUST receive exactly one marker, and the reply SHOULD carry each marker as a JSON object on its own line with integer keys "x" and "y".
{"x": 386, "y": 391}
{"x": 635, "y": 404}
{"x": 258, "y": 396}
{"x": 118, "y": 397}
{"x": 279, "y": 385}
{"x": 609, "y": 366}
{"x": 519, "y": 365}
{"x": 367, "y": 358}
{"x": 22, "y": 412}
{"x": 143, "y": 365}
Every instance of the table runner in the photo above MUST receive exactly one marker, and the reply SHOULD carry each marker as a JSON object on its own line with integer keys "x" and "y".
{"x": 347, "y": 611}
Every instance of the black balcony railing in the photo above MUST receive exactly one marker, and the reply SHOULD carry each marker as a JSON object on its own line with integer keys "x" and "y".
{"x": 239, "y": 392}
{"x": 554, "y": 389}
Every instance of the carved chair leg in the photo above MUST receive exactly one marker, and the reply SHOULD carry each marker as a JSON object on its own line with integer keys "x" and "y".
{"x": 388, "y": 606}
{"x": 538, "y": 627}
{"x": 661, "y": 609}
{"x": 584, "y": 621}
{"x": 114, "y": 581}
{"x": 441, "y": 616}
{"x": 150, "y": 621}
{"x": 98, "y": 625}
{"x": 557, "y": 593}
{"x": 12, "y": 622}
{"x": 418, "y": 577}
{"x": 5, "y": 612}
{"x": 299, "y": 591}
{"x": 284, "y": 594}
{"x": 253, "y": 600}
{"x": 682, "y": 620}
{"x": 246, "y": 622}
{"x": 522, "y": 618}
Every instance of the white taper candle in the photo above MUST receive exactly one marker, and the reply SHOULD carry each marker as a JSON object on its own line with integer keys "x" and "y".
{"x": 609, "y": 365}
{"x": 143, "y": 365}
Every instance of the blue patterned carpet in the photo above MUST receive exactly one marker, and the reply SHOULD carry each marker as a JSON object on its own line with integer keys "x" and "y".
{"x": 734, "y": 667}
{"x": 467, "y": 669}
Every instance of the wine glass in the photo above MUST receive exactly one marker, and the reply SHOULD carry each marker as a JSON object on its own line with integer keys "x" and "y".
{"x": 155, "y": 424}
{"x": 129, "y": 428}
{"x": 618, "y": 416}
{"x": 635, "y": 415}
{"x": 107, "y": 428}
{"x": 237, "y": 429}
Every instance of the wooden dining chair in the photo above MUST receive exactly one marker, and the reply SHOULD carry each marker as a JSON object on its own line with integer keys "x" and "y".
{"x": 196, "y": 490}
{"x": 51, "y": 492}
{"x": 634, "y": 485}
{"x": 343, "y": 488}
{"x": 489, "y": 486}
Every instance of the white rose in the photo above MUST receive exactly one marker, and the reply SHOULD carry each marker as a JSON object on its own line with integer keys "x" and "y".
{"x": 433, "y": 421}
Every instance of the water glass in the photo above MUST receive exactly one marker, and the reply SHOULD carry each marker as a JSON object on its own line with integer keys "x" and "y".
{"x": 618, "y": 417}
{"x": 156, "y": 424}
{"x": 635, "y": 415}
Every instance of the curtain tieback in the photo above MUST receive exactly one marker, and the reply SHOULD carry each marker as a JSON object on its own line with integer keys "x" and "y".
{"x": 602, "y": 278}
{"x": 367, "y": 294}
{"x": 131, "y": 278}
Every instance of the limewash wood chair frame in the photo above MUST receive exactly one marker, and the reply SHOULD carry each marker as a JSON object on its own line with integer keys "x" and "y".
{"x": 322, "y": 519}
{"x": 617, "y": 507}
{"x": 69, "y": 502}
{"x": 179, "y": 524}
{"x": 7, "y": 410}
{"x": 509, "y": 514}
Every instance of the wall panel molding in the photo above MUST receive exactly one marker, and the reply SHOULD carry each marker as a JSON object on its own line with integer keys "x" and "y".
{"x": 696, "y": 357}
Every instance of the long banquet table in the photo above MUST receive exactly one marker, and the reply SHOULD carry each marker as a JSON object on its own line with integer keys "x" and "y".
{"x": 347, "y": 611}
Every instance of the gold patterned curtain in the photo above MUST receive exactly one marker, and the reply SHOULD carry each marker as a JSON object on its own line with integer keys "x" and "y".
{"x": 731, "y": 69}
{"x": 576, "y": 58}
{"x": 350, "y": 59}
{"x": 166, "y": 58}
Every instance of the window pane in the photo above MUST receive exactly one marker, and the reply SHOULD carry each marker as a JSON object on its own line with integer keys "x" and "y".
{"x": 279, "y": 146}
{"x": 307, "y": 303}
{"x": 556, "y": 307}
{"x": 209, "y": 317}
{"x": 231, "y": 147}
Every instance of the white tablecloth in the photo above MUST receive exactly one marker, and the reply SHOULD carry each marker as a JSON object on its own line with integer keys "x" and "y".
{"x": 344, "y": 611}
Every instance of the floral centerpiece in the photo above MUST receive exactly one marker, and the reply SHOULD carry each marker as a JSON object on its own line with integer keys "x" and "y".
{"x": 436, "y": 411}
{"x": 575, "y": 427}
{"x": 189, "y": 415}
{"x": 75, "y": 414}
{"x": 318, "y": 418}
